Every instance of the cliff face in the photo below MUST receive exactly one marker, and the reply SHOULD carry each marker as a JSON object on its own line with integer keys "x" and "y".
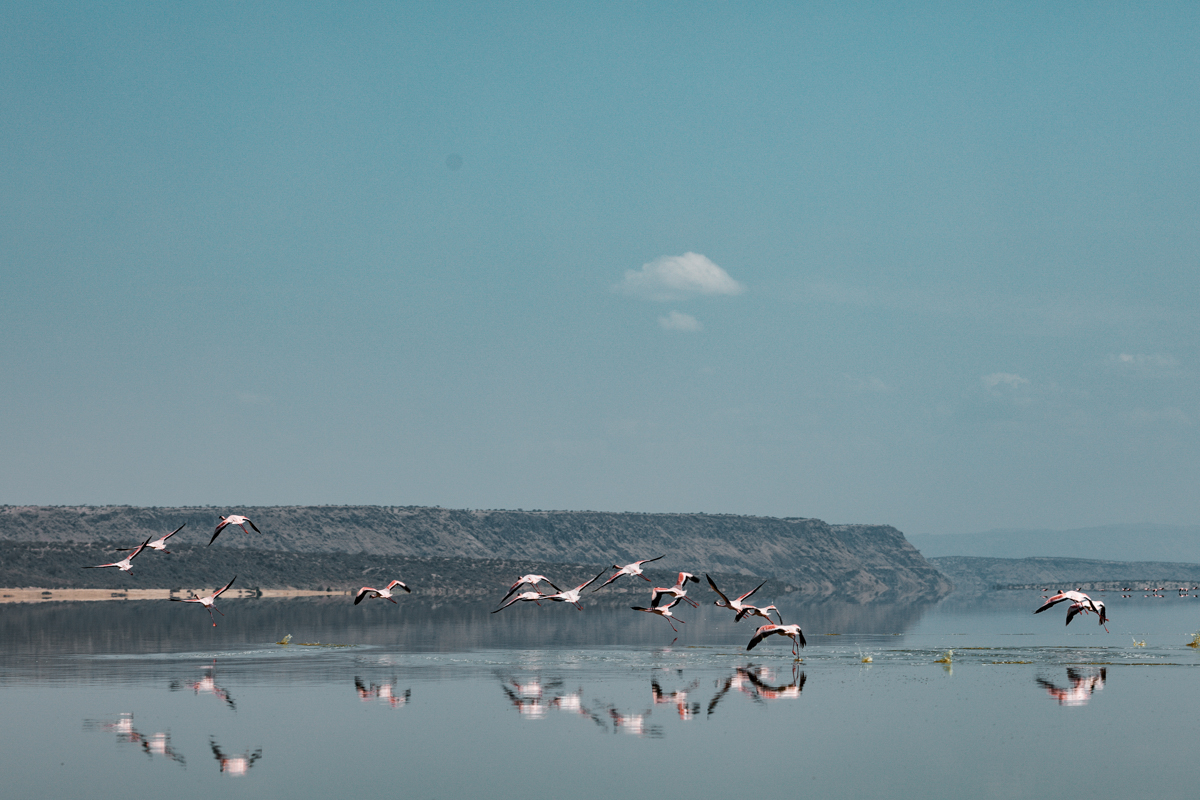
{"x": 859, "y": 563}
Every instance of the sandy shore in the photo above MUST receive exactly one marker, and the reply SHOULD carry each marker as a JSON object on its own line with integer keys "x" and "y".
{"x": 36, "y": 595}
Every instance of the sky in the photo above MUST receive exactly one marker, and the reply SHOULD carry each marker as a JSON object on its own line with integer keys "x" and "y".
{"x": 928, "y": 265}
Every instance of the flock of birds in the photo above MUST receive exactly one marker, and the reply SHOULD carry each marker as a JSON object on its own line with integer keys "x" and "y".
{"x": 662, "y": 598}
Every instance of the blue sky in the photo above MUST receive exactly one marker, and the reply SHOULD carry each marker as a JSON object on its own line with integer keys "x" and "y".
{"x": 932, "y": 266}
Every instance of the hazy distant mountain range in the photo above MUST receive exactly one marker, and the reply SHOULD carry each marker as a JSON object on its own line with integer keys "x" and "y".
{"x": 855, "y": 563}
{"x": 1131, "y": 542}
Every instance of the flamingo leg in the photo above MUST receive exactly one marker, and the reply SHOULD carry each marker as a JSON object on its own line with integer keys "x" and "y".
{"x": 393, "y": 601}
{"x": 643, "y": 577}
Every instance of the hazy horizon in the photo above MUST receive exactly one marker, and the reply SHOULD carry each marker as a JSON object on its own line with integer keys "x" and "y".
{"x": 876, "y": 263}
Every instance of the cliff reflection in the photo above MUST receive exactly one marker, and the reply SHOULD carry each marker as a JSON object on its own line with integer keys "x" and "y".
{"x": 1084, "y": 683}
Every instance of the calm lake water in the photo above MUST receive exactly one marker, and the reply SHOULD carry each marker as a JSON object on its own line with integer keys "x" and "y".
{"x": 418, "y": 701}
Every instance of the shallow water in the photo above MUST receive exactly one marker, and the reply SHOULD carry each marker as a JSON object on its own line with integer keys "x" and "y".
{"x": 452, "y": 701}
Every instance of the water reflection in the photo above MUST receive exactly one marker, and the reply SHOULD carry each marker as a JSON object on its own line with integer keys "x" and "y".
{"x": 677, "y": 698}
{"x": 157, "y": 744}
{"x": 758, "y": 683}
{"x": 634, "y": 724}
{"x": 385, "y": 692}
{"x": 234, "y": 765}
{"x": 1084, "y": 683}
{"x": 207, "y": 685}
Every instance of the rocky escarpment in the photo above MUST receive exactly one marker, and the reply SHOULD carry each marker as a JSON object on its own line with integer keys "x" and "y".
{"x": 858, "y": 563}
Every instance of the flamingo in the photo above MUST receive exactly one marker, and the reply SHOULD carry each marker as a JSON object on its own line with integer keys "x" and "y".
{"x": 662, "y": 611}
{"x": 385, "y": 593}
{"x": 629, "y": 569}
{"x": 572, "y": 595}
{"x": 208, "y": 601}
{"x": 677, "y": 591}
{"x": 157, "y": 544}
{"x": 737, "y": 605}
{"x": 535, "y": 596}
{"x": 124, "y": 564}
{"x": 1080, "y": 603}
{"x": 793, "y": 632}
{"x": 532, "y": 580}
{"x": 233, "y": 519}
{"x": 755, "y": 611}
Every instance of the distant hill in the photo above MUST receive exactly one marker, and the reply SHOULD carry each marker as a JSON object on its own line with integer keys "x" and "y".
{"x": 972, "y": 574}
{"x": 1133, "y": 542}
{"x": 856, "y": 563}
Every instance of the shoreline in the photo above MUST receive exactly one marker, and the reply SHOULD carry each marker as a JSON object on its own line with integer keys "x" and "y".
{"x": 39, "y": 595}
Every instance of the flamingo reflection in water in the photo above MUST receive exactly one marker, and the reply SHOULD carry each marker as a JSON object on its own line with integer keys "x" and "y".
{"x": 1083, "y": 684}
{"x": 767, "y": 691}
{"x": 527, "y": 697}
{"x": 385, "y": 692}
{"x": 756, "y": 683}
{"x": 207, "y": 685}
{"x": 633, "y": 724}
{"x": 157, "y": 744}
{"x": 573, "y": 704}
{"x": 678, "y": 698}
{"x": 234, "y": 765}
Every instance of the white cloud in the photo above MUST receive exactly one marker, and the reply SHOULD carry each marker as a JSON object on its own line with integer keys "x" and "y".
{"x": 676, "y": 321}
{"x": 677, "y": 278}
{"x": 1150, "y": 361}
{"x": 1003, "y": 378}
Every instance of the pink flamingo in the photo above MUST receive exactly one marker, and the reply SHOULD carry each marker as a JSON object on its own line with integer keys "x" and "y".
{"x": 385, "y": 593}
{"x": 737, "y": 605}
{"x": 233, "y": 519}
{"x": 629, "y": 569}
{"x": 124, "y": 564}
{"x": 1080, "y": 603}
{"x": 157, "y": 544}
{"x": 533, "y": 581}
{"x": 677, "y": 591}
{"x": 572, "y": 595}
{"x": 664, "y": 612}
{"x": 793, "y": 632}
{"x": 208, "y": 602}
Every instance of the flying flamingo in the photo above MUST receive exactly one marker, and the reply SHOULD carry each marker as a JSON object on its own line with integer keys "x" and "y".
{"x": 208, "y": 601}
{"x": 124, "y": 564}
{"x": 737, "y": 605}
{"x": 233, "y": 519}
{"x": 677, "y": 591}
{"x": 755, "y": 611}
{"x": 157, "y": 544}
{"x": 385, "y": 593}
{"x": 572, "y": 595}
{"x": 533, "y": 581}
{"x": 793, "y": 632}
{"x": 629, "y": 569}
{"x": 662, "y": 611}
{"x": 1080, "y": 603}
{"x": 535, "y": 596}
